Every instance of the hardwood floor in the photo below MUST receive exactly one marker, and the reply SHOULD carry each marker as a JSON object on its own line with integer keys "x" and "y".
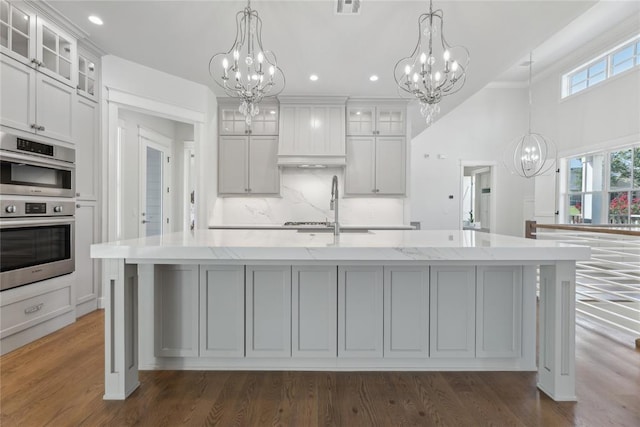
{"x": 58, "y": 381}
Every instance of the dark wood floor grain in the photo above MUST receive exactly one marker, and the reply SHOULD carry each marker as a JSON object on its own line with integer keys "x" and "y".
{"x": 58, "y": 381}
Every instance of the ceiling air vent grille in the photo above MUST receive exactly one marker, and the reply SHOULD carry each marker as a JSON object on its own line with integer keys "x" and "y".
{"x": 348, "y": 7}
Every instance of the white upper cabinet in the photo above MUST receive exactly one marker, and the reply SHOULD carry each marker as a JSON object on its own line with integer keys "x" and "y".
{"x": 87, "y": 76}
{"x": 247, "y": 165}
{"x": 376, "y": 166}
{"x": 381, "y": 119}
{"x": 56, "y": 52}
{"x": 232, "y": 121}
{"x": 35, "y": 103}
{"x": 17, "y": 32}
{"x": 36, "y": 42}
{"x": 376, "y": 148}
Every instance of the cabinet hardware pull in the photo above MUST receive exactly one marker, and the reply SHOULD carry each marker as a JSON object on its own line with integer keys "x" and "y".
{"x": 40, "y": 127}
{"x": 33, "y": 308}
{"x": 78, "y": 206}
{"x": 34, "y": 126}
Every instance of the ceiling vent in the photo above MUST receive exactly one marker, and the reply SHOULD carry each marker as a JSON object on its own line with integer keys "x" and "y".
{"x": 348, "y": 7}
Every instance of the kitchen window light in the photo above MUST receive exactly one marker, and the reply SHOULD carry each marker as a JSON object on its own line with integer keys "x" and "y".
{"x": 603, "y": 187}
{"x": 617, "y": 60}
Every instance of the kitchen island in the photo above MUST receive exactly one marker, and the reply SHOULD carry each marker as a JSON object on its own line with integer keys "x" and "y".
{"x": 380, "y": 300}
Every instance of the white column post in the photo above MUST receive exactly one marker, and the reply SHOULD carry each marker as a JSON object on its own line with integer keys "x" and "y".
{"x": 557, "y": 358}
{"x": 120, "y": 329}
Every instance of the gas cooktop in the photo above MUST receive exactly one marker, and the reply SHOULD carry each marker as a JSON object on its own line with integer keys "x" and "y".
{"x": 298, "y": 223}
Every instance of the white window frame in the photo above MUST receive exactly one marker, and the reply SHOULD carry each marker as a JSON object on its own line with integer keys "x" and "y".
{"x": 608, "y": 57}
{"x": 606, "y": 184}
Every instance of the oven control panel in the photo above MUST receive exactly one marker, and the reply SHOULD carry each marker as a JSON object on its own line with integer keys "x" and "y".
{"x": 22, "y": 208}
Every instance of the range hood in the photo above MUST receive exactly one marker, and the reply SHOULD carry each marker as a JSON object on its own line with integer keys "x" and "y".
{"x": 312, "y": 132}
{"x": 311, "y": 162}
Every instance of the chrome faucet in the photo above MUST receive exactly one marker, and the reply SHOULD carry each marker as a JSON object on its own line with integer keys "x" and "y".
{"x": 333, "y": 205}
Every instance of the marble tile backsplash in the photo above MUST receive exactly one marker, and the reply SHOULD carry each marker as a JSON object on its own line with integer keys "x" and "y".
{"x": 304, "y": 196}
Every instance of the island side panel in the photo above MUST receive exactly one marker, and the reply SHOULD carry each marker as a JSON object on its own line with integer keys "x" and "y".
{"x": 556, "y": 360}
{"x": 120, "y": 284}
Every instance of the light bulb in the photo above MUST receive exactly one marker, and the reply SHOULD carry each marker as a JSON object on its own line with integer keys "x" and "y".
{"x": 454, "y": 66}
{"x": 407, "y": 69}
{"x": 415, "y": 77}
{"x": 260, "y": 57}
{"x": 423, "y": 58}
{"x": 437, "y": 76}
{"x": 446, "y": 55}
{"x": 238, "y": 75}
{"x": 272, "y": 70}
{"x": 225, "y": 63}
{"x": 236, "y": 55}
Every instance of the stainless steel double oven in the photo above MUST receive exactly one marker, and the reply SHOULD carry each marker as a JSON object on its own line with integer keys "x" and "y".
{"x": 37, "y": 210}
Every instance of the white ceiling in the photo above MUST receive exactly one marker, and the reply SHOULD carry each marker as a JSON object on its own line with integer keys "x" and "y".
{"x": 179, "y": 37}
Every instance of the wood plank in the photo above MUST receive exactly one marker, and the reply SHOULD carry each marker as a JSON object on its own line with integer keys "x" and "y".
{"x": 59, "y": 380}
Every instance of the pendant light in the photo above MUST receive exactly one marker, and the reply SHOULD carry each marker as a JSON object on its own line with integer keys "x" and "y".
{"x": 247, "y": 71}
{"x": 531, "y": 154}
{"x": 434, "y": 69}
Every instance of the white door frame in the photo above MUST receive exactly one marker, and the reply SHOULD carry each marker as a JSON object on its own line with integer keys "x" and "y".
{"x": 491, "y": 164}
{"x": 188, "y": 183}
{"x": 113, "y": 101}
{"x": 150, "y": 138}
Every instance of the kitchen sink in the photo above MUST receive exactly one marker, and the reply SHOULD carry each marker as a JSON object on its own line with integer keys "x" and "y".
{"x": 330, "y": 230}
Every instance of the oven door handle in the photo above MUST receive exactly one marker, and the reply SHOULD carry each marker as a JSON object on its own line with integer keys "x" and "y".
{"x": 30, "y": 222}
{"x": 36, "y": 161}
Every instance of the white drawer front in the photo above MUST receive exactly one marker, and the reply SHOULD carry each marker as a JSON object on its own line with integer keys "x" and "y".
{"x": 23, "y": 314}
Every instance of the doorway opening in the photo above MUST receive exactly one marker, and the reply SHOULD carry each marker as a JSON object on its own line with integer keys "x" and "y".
{"x": 478, "y": 210}
{"x": 155, "y": 184}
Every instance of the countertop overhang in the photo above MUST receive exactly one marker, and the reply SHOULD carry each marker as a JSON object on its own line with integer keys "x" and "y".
{"x": 379, "y": 245}
{"x": 347, "y": 227}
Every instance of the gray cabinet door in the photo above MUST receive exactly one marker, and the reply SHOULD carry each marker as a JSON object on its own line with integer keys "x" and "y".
{"x": 360, "y": 312}
{"x": 176, "y": 320}
{"x": 222, "y": 311}
{"x": 452, "y": 311}
{"x": 499, "y": 311}
{"x": 315, "y": 310}
{"x": 406, "y": 312}
{"x": 268, "y": 311}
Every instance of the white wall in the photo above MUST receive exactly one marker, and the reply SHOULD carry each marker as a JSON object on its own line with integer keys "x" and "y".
{"x": 604, "y": 116}
{"x": 477, "y": 131}
{"x": 305, "y": 196}
{"x": 133, "y": 78}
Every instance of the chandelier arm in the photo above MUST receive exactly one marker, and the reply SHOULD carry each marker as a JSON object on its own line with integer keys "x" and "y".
{"x": 239, "y": 40}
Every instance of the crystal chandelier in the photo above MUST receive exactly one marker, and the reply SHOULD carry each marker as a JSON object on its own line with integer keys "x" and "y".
{"x": 247, "y": 71}
{"x": 531, "y": 154}
{"x": 435, "y": 68}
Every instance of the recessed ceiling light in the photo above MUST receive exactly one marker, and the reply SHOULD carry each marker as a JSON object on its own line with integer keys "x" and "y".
{"x": 373, "y": 78}
{"x": 313, "y": 77}
{"x": 95, "y": 20}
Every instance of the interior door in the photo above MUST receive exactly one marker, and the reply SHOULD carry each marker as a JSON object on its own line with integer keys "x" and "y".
{"x": 155, "y": 186}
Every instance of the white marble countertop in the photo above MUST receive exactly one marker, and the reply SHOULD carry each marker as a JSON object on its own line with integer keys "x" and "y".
{"x": 291, "y": 245}
{"x": 346, "y": 227}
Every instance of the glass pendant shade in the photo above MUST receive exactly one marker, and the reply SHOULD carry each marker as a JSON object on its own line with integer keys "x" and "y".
{"x": 247, "y": 71}
{"x": 434, "y": 69}
{"x": 531, "y": 154}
